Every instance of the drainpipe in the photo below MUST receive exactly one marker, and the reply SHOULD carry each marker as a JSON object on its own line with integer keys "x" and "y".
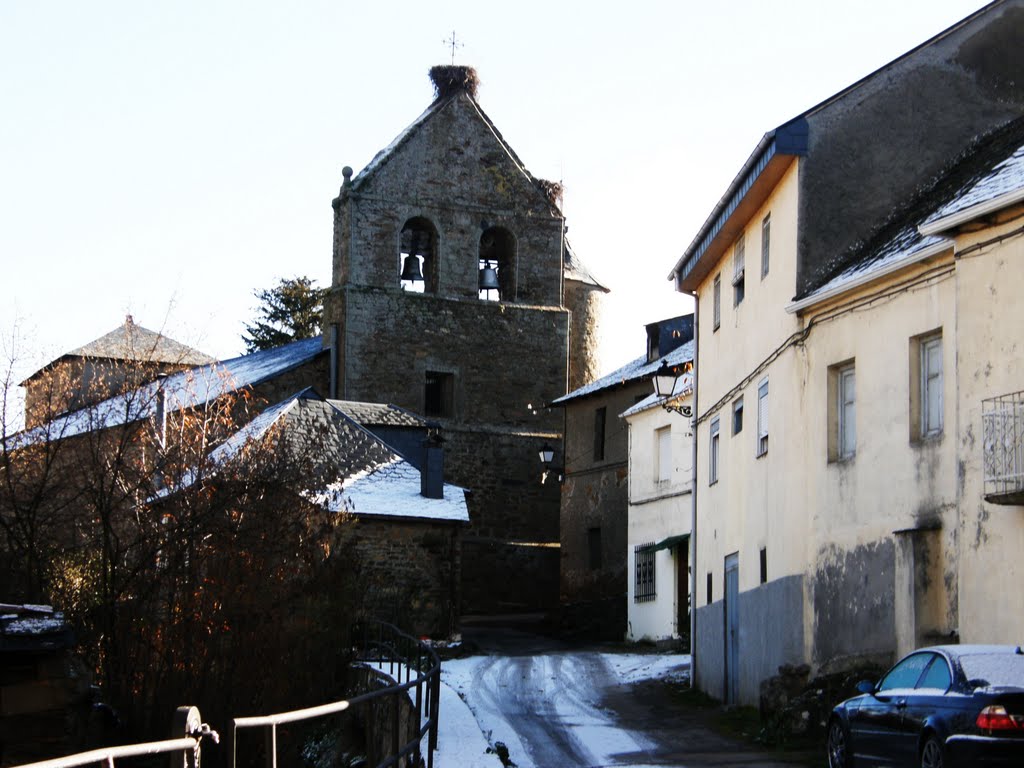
{"x": 693, "y": 499}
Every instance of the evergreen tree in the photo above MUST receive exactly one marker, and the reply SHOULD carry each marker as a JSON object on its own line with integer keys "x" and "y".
{"x": 292, "y": 310}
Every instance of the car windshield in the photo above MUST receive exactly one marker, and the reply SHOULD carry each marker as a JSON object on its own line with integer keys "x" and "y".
{"x": 996, "y": 669}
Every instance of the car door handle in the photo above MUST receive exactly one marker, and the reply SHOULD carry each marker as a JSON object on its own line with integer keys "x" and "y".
{"x": 901, "y": 704}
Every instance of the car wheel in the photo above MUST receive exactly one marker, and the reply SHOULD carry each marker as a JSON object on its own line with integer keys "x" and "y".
{"x": 931, "y": 753}
{"x": 838, "y": 746}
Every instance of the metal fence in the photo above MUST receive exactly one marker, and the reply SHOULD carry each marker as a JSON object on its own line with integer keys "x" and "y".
{"x": 1003, "y": 444}
{"x": 411, "y": 704}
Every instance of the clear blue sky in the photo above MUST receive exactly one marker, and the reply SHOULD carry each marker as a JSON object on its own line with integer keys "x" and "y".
{"x": 169, "y": 158}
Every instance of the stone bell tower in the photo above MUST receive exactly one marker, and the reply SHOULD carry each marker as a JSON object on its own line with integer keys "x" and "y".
{"x": 448, "y": 298}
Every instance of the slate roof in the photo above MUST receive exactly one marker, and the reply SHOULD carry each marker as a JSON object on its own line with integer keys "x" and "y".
{"x": 990, "y": 169}
{"x": 378, "y": 414}
{"x": 355, "y": 471}
{"x": 133, "y": 342}
{"x": 184, "y": 389}
{"x": 634, "y": 371}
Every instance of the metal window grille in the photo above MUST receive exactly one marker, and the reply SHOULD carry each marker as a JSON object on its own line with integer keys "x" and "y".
{"x": 1002, "y": 421}
{"x": 643, "y": 589}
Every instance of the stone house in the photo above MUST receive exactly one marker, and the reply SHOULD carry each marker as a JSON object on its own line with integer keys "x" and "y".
{"x": 594, "y": 574}
{"x": 407, "y": 520}
{"x": 660, "y": 508}
{"x": 455, "y": 295}
{"x": 128, "y": 356}
{"x": 832, "y": 527}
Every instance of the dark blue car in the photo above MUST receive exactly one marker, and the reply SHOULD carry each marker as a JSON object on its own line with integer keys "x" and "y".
{"x": 942, "y": 707}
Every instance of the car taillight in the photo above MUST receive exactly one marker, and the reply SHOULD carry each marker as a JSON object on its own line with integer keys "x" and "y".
{"x": 996, "y": 718}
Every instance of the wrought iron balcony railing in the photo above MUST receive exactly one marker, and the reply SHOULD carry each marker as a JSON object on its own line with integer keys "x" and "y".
{"x": 1002, "y": 420}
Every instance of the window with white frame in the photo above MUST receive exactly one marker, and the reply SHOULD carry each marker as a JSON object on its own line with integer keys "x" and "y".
{"x": 663, "y": 447}
{"x": 713, "y": 453}
{"x": 762, "y": 418}
{"x": 842, "y": 416}
{"x": 766, "y": 232}
{"x": 929, "y": 365}
{"x": 643, "y": 578}
{"x": 738, "y": 272}
{"x": 716, "y": 299}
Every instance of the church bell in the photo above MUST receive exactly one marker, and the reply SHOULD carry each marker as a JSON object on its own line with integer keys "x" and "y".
{"x": 411, "y": 269}
{"x": 488, "y": 277}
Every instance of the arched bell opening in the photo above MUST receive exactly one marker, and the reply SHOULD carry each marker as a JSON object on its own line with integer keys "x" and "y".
{"x": 497, "y": 276}
{"x": 417, "y": 261}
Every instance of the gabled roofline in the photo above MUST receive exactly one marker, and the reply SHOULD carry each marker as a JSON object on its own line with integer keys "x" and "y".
{"x": 787, "y": 141}
{"x": 790, "y": 138}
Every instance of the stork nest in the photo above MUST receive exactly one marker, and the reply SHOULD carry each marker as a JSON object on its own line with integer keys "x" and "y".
{"x": 553, "y": 190}
{"x": 449, "y": 79}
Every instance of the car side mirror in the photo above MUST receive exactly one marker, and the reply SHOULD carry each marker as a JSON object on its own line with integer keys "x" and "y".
{"x": 866, "y": 686}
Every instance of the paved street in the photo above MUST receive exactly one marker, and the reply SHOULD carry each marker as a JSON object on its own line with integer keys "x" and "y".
{"x": 553, "y": 706}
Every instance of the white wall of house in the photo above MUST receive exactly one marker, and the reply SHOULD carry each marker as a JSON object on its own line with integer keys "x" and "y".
{"x": 660, "y": 484}
{"x": 990, "y": 347}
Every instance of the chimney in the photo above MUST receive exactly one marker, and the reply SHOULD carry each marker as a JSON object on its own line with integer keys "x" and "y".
{"x": 451, "y": 79}
{"x": 432, "y": 466}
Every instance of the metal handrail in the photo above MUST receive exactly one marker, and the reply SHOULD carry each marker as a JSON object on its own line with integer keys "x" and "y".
{"x": 186, "y": 720}
{"x": 393, "y": 648}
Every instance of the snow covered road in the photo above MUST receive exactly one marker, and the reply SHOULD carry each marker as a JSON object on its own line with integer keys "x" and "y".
{"x": 547, "y": 706}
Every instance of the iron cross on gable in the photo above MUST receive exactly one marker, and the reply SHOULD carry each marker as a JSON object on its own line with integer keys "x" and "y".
{"x": 454, "y": 43}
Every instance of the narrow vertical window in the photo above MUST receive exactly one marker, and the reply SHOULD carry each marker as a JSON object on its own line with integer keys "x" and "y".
{"x": 600, "y": 417}
{"x": 842, "y": 411}
{"x": 931, "y": 386}
{"x": 663, "y": 447}
{"x": 766, "y": 237}
{"x": 847, "y": 409}
{"x": 737, "y": 416}
{"x": 764, "y": 565}
{"x": 762, "y": 418}
{"x": 710, "y": 593}
{"x": 738, "y": 272}
{"x": 716, "y": 294}
{"x": 713, "y": 454}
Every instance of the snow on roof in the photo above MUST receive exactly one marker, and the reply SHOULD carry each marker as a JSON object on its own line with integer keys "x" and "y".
{"x": 988, "y": 171}
{"x": 1004, "y": 179}
{"x": 683, "y": 387}
{"x": 356, "y": 472}
{"x": 393, "y": 490}
{"x": 637, "y": 369}
{"x": 184, "y": 389}
{"x": 378, "y": 414}
{"x": 575, "y": 269}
